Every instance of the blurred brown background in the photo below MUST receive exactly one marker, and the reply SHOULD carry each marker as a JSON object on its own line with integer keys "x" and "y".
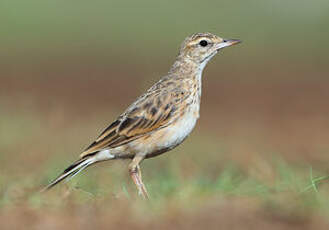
{"x": 69, "y": 68}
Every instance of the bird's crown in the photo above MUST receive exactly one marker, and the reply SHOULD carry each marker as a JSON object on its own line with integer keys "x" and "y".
{"x": 201, "y": 47}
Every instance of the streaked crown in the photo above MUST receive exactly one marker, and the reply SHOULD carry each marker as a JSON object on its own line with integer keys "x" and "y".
{"x": 201, "y": 47}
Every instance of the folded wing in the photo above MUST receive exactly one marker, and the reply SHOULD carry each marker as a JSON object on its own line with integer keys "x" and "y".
{"x": 148, "y": 114}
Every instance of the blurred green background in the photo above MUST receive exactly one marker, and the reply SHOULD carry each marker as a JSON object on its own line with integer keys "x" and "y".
{"x": 259, "y": 153}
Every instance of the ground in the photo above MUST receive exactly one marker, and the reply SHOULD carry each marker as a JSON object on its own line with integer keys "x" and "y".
{"x": 256, "y": 160}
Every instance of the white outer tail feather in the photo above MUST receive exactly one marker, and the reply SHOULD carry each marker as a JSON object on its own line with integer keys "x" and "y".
{"x": 81, "y": 167}
{"x": 77, "y": 167}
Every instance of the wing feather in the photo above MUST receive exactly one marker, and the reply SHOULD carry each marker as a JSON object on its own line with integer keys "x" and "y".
{"x": 148, "y": 114}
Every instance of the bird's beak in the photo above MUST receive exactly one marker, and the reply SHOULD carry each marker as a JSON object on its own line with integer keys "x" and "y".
{"x": 226, "y": 43}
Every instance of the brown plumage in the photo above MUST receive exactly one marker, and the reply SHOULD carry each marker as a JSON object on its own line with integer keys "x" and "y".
{"x": 160, "y": 119}
{"x": 152, "y": 111}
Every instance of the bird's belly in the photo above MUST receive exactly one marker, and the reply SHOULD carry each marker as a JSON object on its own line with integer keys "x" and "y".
{"x": 176, "y": 133}
{"x": 161, "y": 140}
{"x": 171, "y": 136}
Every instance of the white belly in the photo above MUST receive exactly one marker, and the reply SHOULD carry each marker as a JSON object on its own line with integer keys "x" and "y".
{"x": 176, "y": 133}
{"x": 162, "y": 140}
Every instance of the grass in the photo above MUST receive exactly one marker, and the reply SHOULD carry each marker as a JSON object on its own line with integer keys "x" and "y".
{"x": 180, "y": 176}
{"x": 229, "y": 169}
{"x": 301, "y": 188}
{"x": 261, "y": 164}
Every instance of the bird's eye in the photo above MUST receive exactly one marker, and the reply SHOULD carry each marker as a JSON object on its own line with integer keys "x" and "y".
{"x": 203, "y": 43}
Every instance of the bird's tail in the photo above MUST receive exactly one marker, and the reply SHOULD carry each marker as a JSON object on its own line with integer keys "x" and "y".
{"x": 71, "y": 171}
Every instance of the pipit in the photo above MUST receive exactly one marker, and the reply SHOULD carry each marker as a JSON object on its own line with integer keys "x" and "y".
{"x": 158, "y": 120}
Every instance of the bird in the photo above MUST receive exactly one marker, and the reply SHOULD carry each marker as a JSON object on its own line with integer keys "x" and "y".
{"x": 158, "y": 120}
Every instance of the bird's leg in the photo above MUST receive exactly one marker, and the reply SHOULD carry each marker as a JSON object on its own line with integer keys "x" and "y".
{"x": 142, "y": 186}
{"x": 135, "y": 173}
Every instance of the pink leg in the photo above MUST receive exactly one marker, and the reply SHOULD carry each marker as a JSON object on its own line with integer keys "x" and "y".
{"x": 136, "y": 175}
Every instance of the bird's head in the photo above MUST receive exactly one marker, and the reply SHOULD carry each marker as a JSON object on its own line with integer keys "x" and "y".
{"x": 201, "y": 47}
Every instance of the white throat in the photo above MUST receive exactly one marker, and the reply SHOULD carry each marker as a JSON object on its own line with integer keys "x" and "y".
{"x": 205, "y": 61}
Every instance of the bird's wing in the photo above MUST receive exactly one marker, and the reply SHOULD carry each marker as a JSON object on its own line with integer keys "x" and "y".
{"x": 152, "y": 111}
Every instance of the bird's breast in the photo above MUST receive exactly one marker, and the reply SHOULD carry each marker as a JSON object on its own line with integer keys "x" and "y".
{"x": 166, "y": 138}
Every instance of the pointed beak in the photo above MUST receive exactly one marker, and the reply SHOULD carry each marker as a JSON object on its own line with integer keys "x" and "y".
{"x": 227, "y": 42}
